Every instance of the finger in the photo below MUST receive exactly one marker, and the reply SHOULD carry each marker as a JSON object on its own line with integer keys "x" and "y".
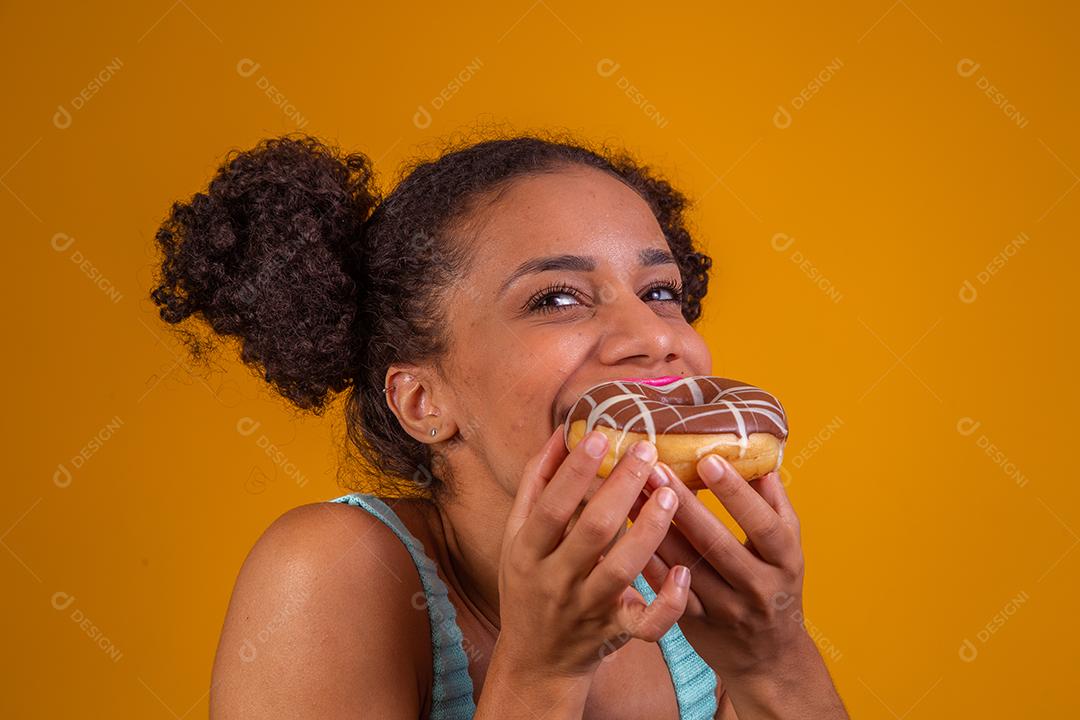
{"x": 657, "y": 479}
{"x": 675, "y": 549}
{"x": 710, "y": 538}
{"x": 605, "y": 514}
{"x": 656, "y": 570}
{"x": 771, "y": 536}
{"x": 772, "y": 489}
{"x": 639, "y": 502}
{"x": 651, "y": 621}
{"x": 625, "y": 559}
{"x": 546, "y": 523}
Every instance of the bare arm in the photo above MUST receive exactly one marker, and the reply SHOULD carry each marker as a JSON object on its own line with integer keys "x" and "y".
{"x": 320, "y": 624}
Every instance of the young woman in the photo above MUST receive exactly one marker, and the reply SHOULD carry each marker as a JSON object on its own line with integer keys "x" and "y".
{"x": 492, "y": 574}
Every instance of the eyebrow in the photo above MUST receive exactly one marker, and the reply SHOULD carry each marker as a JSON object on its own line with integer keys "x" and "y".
{"x": 648, "y": 257}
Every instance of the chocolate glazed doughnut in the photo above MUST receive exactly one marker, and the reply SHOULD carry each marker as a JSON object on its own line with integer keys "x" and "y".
{"x": 686, "y": 420}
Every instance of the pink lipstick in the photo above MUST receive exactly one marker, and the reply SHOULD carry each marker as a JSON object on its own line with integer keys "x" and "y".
{"x": 656, "y": 381}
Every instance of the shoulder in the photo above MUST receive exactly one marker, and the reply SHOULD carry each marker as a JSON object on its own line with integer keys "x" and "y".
{"x": 323, "y": 621}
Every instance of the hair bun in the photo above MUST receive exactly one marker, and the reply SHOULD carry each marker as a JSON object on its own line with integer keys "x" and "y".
{"x": 272, "y": 254}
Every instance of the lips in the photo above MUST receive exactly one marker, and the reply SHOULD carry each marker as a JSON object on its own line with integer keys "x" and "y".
{"x": 655, "y": 381}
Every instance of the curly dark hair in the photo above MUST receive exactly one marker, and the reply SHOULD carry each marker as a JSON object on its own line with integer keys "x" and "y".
{"x": 293, "y": 251}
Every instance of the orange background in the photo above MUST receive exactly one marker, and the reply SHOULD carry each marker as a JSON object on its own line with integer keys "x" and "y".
{"x": 888, "y": 192}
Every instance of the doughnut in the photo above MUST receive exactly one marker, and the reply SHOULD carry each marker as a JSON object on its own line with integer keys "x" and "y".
{"x": 686, "y": 419}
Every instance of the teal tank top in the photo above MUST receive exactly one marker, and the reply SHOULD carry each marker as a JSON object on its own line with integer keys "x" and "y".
{"x": 452, "y": 689}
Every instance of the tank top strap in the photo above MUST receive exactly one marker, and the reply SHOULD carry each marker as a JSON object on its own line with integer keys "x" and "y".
{"x": 451, "y": 688}
{"x": 694, "y": 680}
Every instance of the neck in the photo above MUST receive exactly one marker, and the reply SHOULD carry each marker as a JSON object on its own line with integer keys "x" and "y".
{"x": 471, "y": 524}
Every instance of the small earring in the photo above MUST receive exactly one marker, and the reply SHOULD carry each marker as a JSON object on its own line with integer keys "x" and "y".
{"x": 434, "y": 432}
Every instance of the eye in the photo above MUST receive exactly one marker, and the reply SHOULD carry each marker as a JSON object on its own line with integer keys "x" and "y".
{"x": 558, "y": 297}
{"x": 553, "y": 298}
{"x": 664, "y": 292}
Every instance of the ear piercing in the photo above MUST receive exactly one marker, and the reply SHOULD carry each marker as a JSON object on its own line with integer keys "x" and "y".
{"x": 434, "y": 431}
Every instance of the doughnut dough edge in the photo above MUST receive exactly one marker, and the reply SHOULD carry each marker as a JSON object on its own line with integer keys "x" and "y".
{"x": 681, "y": 451}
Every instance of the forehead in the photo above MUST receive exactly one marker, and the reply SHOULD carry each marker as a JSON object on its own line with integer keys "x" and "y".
{"x": 578, "y": 210}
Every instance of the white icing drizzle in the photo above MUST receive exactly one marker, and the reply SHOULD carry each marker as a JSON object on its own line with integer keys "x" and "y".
{"x": 725, "y": 401}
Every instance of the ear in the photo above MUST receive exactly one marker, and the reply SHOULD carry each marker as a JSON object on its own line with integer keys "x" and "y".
{"x": 416, "y": 397}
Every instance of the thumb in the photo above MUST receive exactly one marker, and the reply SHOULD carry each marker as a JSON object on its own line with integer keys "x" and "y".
{"x": 651, "y": 621}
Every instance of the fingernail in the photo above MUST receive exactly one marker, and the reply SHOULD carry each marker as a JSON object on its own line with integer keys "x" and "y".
{"x": 595, "y": 444}
{"x": 657, "y": 478}
{"x": 669, "y": 474}
{"x": 682, "y": 577}
{"x": 666, "y": 497}
{"x": 644, "y": 450}
{"x": 713, "y": 467}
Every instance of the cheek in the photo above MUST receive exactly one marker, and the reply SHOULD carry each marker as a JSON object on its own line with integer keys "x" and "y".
{"x": 697, "y": 353}
{"x": 511, "y": 384}
{"x": 527, "y": 369}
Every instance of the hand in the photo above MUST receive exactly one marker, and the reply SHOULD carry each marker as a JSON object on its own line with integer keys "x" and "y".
{"x": 744, "y": 613}
{"x": 565, "y": 596}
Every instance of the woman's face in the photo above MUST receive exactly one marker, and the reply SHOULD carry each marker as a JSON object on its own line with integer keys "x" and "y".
{"x": 572, "y": 283}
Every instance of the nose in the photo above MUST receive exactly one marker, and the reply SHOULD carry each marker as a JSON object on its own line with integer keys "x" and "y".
{"x": 636, "y": 335}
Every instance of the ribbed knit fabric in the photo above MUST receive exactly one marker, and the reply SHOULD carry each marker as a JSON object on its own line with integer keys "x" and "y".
{"x": 695, "y": 681}
{"x": 452, "y": 689}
